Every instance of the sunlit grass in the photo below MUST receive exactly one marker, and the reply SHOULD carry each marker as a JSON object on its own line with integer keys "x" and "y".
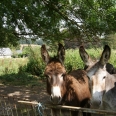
{"x": 73, "y": 60}
{"x": 11, "y": 65}
{"x": 20, "y": 71}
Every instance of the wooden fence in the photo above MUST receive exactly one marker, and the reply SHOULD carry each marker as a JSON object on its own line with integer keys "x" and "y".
{"x": 14, "y": 107}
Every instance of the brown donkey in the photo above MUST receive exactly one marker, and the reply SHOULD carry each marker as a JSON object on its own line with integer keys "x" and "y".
{"x": 65, "y": 89}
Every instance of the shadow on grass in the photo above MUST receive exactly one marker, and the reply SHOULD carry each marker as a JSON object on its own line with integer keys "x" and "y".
{"x": 19, "y": 79}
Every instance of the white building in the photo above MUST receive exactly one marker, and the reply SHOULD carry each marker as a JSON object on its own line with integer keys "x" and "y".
{"x": 5, "y": 53}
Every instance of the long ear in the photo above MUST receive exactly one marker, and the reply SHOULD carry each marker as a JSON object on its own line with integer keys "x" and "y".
{"x": 105, "y": 55}
{"x": 61, "y": 52}
{"x": 44, "y": 54}
{"x": 84, "y": 55}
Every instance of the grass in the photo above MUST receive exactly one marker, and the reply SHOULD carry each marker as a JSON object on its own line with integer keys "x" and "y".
{"x": 11, "y": 65}
{"x": 24, "y": 71}
{"x": 73, "y": 60}
{"x": 10, "y": 73}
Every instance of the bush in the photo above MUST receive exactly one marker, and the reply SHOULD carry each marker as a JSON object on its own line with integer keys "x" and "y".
{"x": 73, "y": 60}
{"x": 35, "y": 66}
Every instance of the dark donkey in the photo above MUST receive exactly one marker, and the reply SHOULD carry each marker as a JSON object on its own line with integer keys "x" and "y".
{"x": 65, "y": 89}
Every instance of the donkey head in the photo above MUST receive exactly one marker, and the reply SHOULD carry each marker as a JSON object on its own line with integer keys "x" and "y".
{"x": 55, "y": 73}
{"x": 88, "y": 61}
{"x": 98, "y": 74}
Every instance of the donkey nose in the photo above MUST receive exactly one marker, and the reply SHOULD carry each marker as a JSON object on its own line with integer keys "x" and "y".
{"x": 95, "y": 104}
{"x": 55, "y": 99}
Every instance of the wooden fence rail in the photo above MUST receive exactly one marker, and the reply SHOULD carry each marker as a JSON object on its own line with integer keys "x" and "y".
{"x": 71, "y": 108}
{"x": 15, "y": 107}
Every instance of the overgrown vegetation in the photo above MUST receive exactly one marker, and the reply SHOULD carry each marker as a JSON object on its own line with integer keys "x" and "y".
{"x": 28, "y": 71}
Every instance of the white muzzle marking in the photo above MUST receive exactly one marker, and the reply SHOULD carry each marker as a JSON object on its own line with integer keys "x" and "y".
{"x": 55, "y": 91}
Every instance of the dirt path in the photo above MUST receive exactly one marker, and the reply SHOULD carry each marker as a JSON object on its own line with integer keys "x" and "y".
{"x": 35, "y": 93}
{"x": 9, "y": 95}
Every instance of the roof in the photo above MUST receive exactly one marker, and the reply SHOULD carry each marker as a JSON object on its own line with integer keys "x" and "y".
{"x": 5, "y": 52}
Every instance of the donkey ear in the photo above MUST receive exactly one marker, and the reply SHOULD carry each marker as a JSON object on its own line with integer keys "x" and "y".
{"x": 44, "y": 54}
{"x": 105, "y": 55}
{"x": 83, "y": 54}
{"x": 61, "y": 52}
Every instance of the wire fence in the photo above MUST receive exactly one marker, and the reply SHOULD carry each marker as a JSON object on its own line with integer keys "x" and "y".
{"x": 10, "y": 106}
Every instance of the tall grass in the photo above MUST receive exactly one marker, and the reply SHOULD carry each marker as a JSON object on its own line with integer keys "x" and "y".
{"x": 11, "y": 65}
{"x": 73, "y": 60}
{"x": 29, "y": 70}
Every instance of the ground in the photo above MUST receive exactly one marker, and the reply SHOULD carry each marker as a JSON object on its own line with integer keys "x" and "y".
{"x": 9, "y": 95}
{"x": 29, "y": 93}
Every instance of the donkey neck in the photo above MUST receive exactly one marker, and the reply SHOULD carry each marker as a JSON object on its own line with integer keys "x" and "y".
{"x": 70, "y": 95}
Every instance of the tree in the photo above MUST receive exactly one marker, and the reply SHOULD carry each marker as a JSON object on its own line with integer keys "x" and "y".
{"x": 110, "y": 40}
{"x": 84, "y": 20}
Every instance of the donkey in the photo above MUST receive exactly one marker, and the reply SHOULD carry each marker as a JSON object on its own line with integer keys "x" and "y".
{"x": 65, "y": 89}
{"x": 102, "y": 83}
{"x": 88, "y": 61}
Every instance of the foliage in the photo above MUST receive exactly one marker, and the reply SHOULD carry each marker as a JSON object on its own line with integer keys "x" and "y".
{"x": 73, "y": 60}
{"x": 80, "y": 19}
{"x": 35, "y": 64}
{"x": 23, "y": 71}
{"x": 110, "y": 40}
{"x": 26, "y": 50}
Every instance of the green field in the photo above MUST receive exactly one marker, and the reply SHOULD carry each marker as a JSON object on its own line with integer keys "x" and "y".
{"x": 26, "y": 71}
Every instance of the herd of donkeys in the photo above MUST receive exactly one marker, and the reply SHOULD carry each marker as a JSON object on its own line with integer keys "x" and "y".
{"x": 92, "y": 87}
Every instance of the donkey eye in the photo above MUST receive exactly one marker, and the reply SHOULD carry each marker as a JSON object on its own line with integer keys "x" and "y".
{"x": 63, "y": 75}
{"x": 47, "y": 76}
{"x": 104, "y": 77}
